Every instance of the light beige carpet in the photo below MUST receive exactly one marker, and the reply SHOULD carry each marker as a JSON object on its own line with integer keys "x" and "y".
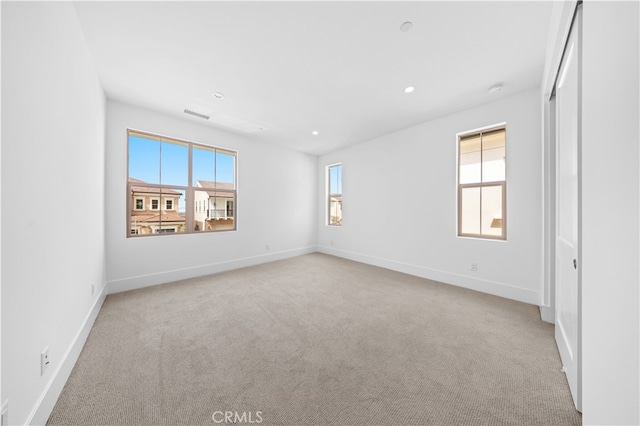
{"x": 316, "y": 340}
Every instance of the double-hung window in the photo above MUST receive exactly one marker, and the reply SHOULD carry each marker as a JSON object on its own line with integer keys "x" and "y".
{"x": 334, "y": 194}
{"x": 482, "y": 184}
{"x": 177, "y": 187}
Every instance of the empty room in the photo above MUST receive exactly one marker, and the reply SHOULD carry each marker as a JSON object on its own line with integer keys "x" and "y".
{"x": 320, "y": 213}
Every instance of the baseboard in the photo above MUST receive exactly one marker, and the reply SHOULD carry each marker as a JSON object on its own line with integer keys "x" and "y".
{"x": 133, "y": 283}
{"x": 49, "y": 397}
{"x": 547, "y": 314}
{"x": 472, "y": 283}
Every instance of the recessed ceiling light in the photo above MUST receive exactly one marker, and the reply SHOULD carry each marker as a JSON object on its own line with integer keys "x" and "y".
{"x": 495, "y": 88}
{"x": 406, "y": 26}
{"x": 314, "y": 133}
{"x": 218, "y": 95}
{"x": 409, "y": 89}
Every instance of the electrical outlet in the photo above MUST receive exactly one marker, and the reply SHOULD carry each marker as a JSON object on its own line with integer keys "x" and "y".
{"x": 44, "y": 361}
{"x": 4, "y": 416}
{"x": 473, "y": 266}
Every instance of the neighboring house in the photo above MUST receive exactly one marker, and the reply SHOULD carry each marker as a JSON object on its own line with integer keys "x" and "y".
{"x": 154, "y": 213}
{"x": 214, "y": 206}
{"x": 335, "y": 209}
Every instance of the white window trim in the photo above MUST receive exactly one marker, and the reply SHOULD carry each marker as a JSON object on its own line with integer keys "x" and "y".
{"x": 135, "y": 203}
{"x": 151, "y": 200}
{"x": 485, "y": 129}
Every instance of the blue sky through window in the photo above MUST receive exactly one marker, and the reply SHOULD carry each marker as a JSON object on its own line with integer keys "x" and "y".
{"x": 335, "y": 179}
{"x": 145, "y": 161}
{"x": 211, "y": 165}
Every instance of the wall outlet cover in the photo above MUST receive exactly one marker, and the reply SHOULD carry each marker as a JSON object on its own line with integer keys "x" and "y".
{"x": 44, "y": 361}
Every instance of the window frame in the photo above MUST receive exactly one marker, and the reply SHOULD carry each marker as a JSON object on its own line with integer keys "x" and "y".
{"x": 188, "y": 190}
{"x": 151, "y": 202}
{"x": 135, "y": 204}
{"x": 500, "y": 183}
{"x": 328, "y": 195}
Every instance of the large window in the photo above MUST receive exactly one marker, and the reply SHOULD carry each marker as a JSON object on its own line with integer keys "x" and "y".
{"x": 482, "y": 185}
{"x": 335, "y": 195}
{"x": 177, "y": 187}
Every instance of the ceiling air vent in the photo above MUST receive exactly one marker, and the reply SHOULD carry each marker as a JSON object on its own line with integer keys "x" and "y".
{"x": 196, "y": 114}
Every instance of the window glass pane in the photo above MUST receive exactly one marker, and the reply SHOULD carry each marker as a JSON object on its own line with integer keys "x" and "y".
{"x": 470, "y": 159}
{"x": 335, "y": 179}
{"x": 470, "y": 211}
{"x": 144, "y": 159}
{"x": 225, "y": 168}
{"x": 175, "y": 164}
{"x": 203, "y": 160}
{"x": 492, "y": 210}
{"x": 155, "y": 218}
{"x": 214, "y": 211}
{"x": 493, "y": 156}
{"x": 335, "y": 210}
{"x": 171, "y": 221}
{"x": 201, "y": 211}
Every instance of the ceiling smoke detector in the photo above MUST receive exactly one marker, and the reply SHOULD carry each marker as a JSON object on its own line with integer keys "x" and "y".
{"x": 495, "y": 88}
{"x": 406, "y": 26}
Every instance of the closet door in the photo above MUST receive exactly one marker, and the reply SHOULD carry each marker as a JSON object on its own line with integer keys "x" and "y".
{"x": 568, "y": 315}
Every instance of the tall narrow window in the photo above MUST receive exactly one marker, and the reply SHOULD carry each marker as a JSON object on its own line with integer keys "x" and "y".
{"x": 482, "y": 184}
{"x": 335, "y": 195}
{"x": 178, "y": 179}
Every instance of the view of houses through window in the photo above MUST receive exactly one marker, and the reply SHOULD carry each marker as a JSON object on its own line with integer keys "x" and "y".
{"x": 335, "y": 195}
{"x": 482, "y": 188}
{"x": 179, "y": 187}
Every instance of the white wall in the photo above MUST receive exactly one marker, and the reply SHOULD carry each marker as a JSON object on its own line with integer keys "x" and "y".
{"x": 53, "y": 112}
{"x": 416, "y": 167}
{"x": 610, "y": 213}
{"x": 1, "y": 399}
{"x": 265, "y": 173}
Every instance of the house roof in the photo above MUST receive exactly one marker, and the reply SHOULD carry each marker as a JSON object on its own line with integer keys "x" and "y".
{"x": 166, "y": 217}
{"x": 222, "y": 186}
{"x": 150, "y": 190}
{"x": 215, "y": 185}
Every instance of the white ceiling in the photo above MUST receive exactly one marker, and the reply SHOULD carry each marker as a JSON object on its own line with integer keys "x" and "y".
{"x": 336, "y": 67}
